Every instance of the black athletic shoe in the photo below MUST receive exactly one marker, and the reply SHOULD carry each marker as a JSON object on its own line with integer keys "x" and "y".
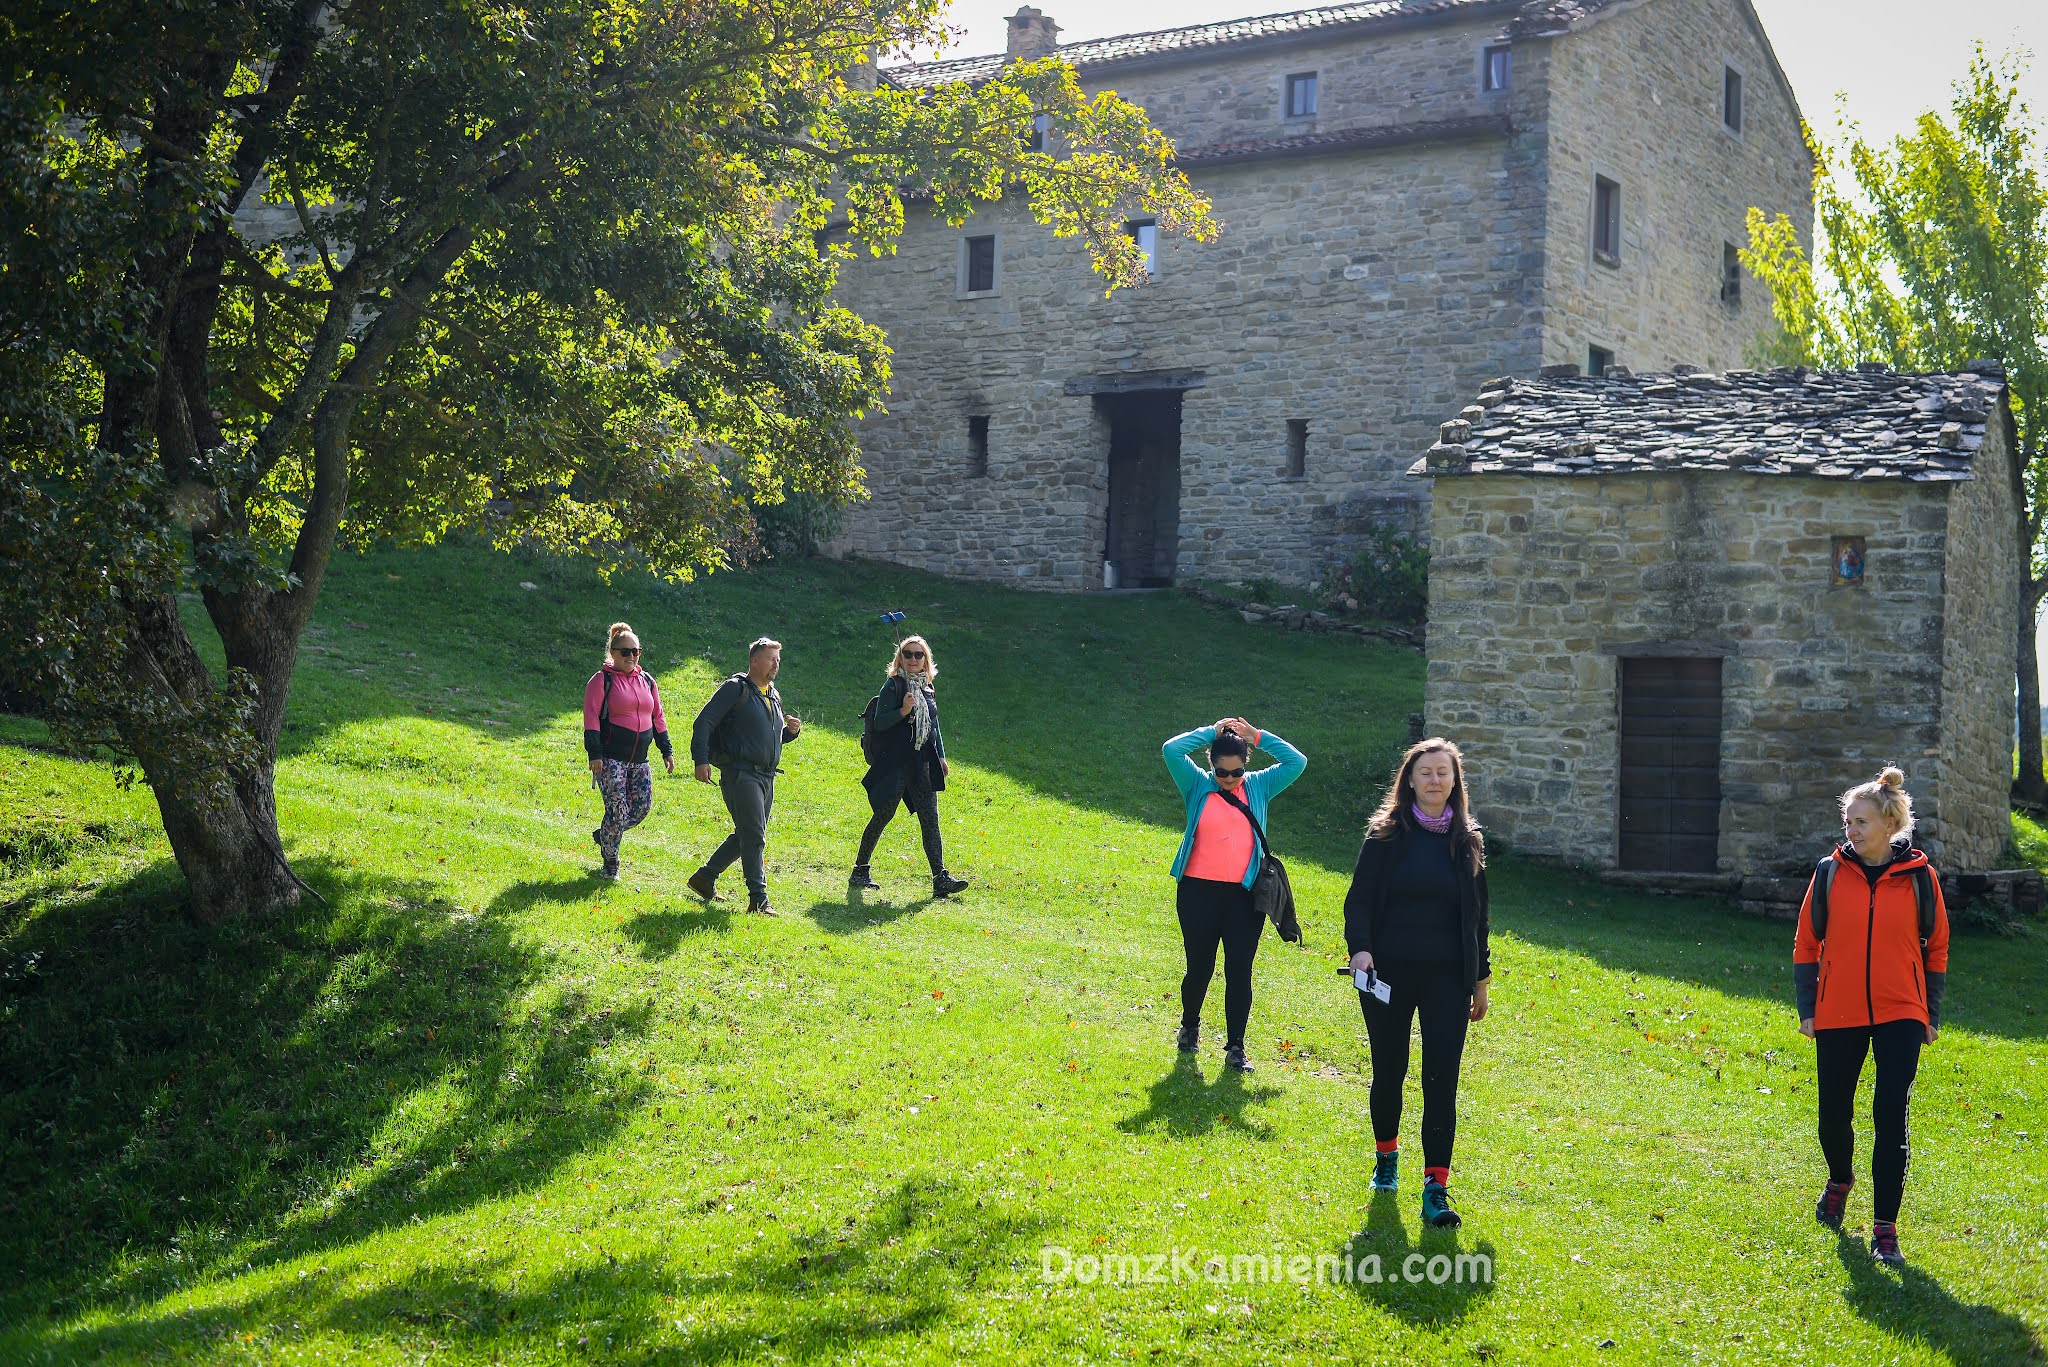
{"x": 702, "y": 886}
{"x": 1233, "y": 1057}
{"x": 1828, "y": 1210}
{"x": 1884, "y": 1247}
{"x": 1188, "y": 1039}
{"x": 945, "y": 884}
{"x": 1436, "y": 1207}
{"x": 860, "y": 880}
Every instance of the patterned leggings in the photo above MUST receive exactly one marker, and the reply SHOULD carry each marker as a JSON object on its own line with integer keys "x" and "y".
{"x": 628, "y": 794}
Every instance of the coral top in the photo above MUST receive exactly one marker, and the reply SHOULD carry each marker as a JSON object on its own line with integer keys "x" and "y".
{"x": 1224, "y": 843}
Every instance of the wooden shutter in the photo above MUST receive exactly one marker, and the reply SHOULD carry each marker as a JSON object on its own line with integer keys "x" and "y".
{"x": 1671, "y": 764}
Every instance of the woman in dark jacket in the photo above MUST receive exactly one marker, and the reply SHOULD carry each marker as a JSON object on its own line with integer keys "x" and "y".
{"x": 1416, "y": 919}
{"x": 906, "y": 764}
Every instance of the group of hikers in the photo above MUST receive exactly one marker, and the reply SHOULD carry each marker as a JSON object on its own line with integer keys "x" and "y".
{"x": 1870, "y": 954}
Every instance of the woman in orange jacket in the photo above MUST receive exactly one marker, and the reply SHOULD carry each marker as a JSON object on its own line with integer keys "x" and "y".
{"x": 1869, "y": 964}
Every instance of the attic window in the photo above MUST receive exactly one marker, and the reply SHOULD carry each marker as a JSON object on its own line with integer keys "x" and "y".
{"x": 1145, "y": 233}
{"x": 978, "y": 265}
{"x": 1598, "y": 358}
{"x": 1731, "y": 99}
{"x": 1041, "y": 125}
{"x": 1496, "y": 65}
{"x": 1301, "y": 95}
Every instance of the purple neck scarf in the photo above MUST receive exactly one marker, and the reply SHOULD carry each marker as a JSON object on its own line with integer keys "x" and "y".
{"x": 1439, "y": 823}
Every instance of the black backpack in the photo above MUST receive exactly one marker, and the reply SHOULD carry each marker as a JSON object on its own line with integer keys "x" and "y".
{"x": 870, "y": 739}
{"x": 1824, "y": 878}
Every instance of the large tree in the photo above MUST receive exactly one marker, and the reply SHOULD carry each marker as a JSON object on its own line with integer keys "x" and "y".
{"x": 559, "y": 270}
{"x": 1937, "y": 255}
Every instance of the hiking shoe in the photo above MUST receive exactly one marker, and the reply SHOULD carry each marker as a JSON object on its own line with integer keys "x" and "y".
{"x": 1233, "y": 1057}
{"x": 758, "y": 906}
{"x": 1884, "y": 1247}
{"x": 860, "y": 880}
{"x": 1436, "y": 1207}
{"x": 1188, "y": 1039}
{"x": 702, "y": 886}
{"x": 1386, "y": 1171}
{"x": 945, "y": 884}
{"x": 1828, "y": 1210}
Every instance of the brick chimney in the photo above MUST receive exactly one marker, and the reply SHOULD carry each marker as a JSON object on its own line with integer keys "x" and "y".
{"x": 1032, "y": 35}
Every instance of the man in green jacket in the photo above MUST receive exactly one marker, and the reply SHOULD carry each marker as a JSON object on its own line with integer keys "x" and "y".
{"x": 742, "y": 731}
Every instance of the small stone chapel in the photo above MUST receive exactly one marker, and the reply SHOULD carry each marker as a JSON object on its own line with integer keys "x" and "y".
{"x": 1672, "y": 617}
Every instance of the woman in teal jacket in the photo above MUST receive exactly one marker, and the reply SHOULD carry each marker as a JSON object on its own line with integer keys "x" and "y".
{"x": 1217, "y": 865}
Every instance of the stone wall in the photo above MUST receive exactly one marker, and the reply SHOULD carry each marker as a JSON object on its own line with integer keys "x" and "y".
{"x": 1539, "y": 584}
{"x": 1365, "y": 293}
{"x": 1981, "y": 612}
{"x": 1637, "y": 98}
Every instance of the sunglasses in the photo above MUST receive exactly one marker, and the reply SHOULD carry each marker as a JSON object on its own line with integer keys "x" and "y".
{"x": 1238, "y": 772}
{"x": 625, "y": 650}
{"x": 913, "y": 654}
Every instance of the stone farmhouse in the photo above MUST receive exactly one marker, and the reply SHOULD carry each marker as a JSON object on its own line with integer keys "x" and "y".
{"x": 1416, "y": 196}
{"x": 1673, "y": 616}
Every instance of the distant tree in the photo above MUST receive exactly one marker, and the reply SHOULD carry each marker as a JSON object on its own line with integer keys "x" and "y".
{"x": 559, "y": 270}
{"x": 1939, "y": 258}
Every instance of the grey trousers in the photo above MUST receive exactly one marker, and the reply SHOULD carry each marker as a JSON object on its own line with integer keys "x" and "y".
{"x": 749, "y": 796}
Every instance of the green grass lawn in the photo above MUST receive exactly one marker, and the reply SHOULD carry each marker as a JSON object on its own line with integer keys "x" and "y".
{"x": 485, "y": 1107}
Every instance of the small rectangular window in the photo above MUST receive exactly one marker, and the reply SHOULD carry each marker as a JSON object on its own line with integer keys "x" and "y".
{"x": 1041, "y": 127}
{"x": 1731, "y": 273}
{"x": 1496, "y": 66}
{"x": 977, "y": 447}
{"x": 1731, "y": 99}
{"x": 981, "y": 264}
{"x": 1598, "y": 358}
{"x": 1297, "y": 448}
{"x": 1606, "y": 219}
{"x": 1301, "y": 95}
{"x": 1145, "y": 233}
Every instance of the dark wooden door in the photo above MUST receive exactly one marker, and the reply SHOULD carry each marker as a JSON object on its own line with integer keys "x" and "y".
{"x": 1671, "y": 765}
{"x": 1144, "y": 486}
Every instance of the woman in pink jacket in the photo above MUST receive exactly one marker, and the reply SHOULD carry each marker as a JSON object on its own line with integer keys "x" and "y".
{"x": 621, "y": 716}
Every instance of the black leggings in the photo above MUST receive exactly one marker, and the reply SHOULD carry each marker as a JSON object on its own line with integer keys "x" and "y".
{"x": 1838, "y": 1062}
{"x": 1213, "y": 912}
{"x": 1437, "y": 994}
{"x": 919, "y": 799}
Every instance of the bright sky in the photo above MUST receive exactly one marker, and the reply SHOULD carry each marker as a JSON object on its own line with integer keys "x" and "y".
{"x": 1889, "y": 58}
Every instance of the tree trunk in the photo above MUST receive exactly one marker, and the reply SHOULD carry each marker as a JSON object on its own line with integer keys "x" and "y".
{"x": 2029, "y": 786}
{"x": 226, "y": 844}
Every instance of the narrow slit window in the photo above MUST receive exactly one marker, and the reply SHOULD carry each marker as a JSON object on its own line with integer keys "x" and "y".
{"x": 1731, "y": 99}
{"x": 1598, "y": 358}
{"x": 1731, "y": 273}
{"x": 1297, "y": 448}
{"x": 1145, "y": 232}
{"x": 1606, "y": 219}
{"x": 1301, "y": 95}
{"x": 977, "y": 446}
{"x": 981, "y": 264}
{"x": 1496, "y": 66}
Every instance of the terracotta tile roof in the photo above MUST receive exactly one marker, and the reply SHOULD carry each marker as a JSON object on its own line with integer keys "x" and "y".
{"x": 1312, "y": 144}
{"x": 1867, "y": 423}
{"x": 1177, "y": 42}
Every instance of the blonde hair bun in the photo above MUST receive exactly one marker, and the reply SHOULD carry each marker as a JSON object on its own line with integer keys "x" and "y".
{"x": 1892, "y": 777}
{"x": 619, "y": 629}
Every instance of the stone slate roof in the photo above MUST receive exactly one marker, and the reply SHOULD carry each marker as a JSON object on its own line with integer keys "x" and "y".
{"x": 1542, "y": 17}
{"x": 1867, "y": 423}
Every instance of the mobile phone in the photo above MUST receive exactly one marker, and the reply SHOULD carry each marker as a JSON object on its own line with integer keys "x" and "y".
{"x": 1370, "y": 983}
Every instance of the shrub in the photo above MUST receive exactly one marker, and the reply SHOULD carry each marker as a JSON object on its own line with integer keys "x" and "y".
{"x": 1388, "y": 578}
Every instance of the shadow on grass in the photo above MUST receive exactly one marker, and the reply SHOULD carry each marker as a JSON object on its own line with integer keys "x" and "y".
{"x": 1910, "y": 1305}
{"x": 1186, "y": 1106}
{"x": 659, "y": 933}
{"x": 1996, "y": 987}
{"x": 820, "y": 1295}
{"x": 854, "y": 913}
{"x": 1434, "y": 1280}
{"x": 179, "y": 1097}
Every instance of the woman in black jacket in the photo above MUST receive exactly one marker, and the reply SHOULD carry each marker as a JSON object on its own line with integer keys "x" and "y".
{"x": 1416, "y": 919}
{"x": 906, "y": 764}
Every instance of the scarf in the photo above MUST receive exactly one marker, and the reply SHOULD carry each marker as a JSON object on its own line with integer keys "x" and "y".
{"x": 1440, "y": 823}
{"x": 920, "y": 685}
